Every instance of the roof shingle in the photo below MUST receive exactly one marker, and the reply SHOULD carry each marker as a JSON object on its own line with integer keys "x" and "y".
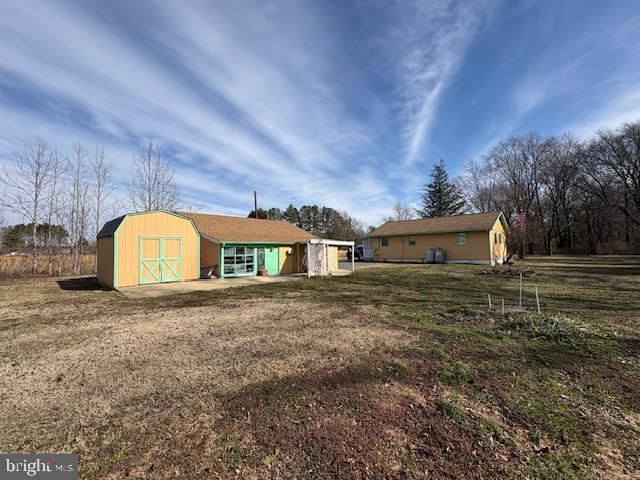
{"x": 239, "y": 229}
{"x": 456, "y": 223}
{"x": 110, "y": 227}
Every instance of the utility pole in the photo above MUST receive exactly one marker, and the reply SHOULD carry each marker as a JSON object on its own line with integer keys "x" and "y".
{"x": 255, "y": 204}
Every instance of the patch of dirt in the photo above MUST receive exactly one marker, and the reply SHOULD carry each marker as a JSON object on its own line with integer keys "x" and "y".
{"x": 508, "y": 271}
{"x": 356, "y": 422}
{"x": 481, "y": 321}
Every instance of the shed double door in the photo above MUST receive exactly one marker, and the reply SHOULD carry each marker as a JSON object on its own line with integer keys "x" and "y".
{"x": 160, "y": 260}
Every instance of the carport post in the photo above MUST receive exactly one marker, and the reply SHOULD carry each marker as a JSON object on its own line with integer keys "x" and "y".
{"x": 353, "y": 257}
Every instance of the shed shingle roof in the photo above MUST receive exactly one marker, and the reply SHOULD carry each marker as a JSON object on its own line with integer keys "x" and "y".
{"x": 110, "y": 227}
{"x": 239, "y": 229}
{"x": 456, "y": 223}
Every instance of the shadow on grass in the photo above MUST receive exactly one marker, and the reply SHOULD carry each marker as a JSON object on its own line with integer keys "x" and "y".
{"x": 82, "y": 283}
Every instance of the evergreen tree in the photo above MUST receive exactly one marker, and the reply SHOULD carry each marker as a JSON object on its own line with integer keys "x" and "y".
{"x": 262, "y": 214}
{"x": 274, "y": 214}
{"x": 440, "y": 197}
{"x": 291, "y": 215}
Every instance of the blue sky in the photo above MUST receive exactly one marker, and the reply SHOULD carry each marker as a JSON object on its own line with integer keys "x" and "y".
{"x": 344, "y": 104}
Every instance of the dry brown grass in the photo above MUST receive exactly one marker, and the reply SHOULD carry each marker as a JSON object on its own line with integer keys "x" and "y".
{"x": 72, "y": 373}
{"x": 393, "y": 373}
{"x": 62, "y": 264}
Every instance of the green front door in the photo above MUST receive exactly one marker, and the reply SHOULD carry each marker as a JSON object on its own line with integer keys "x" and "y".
{"x": 160, "y": 260}
{"x": 268, "y": 259}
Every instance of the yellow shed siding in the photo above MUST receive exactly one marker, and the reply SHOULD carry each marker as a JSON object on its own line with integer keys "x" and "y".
{"x": 398, "y": 249}
{"x": 154, "y": 224}
{"x": 105, "y": 261}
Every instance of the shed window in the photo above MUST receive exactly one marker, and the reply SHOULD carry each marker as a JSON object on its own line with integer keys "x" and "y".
{"x": 384, "y": 241}
{"x": 462, "y": 238}
{"x": 412, "y": 240}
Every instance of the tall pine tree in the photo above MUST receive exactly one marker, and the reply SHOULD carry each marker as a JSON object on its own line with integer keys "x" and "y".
{"x": 440, "y": 197}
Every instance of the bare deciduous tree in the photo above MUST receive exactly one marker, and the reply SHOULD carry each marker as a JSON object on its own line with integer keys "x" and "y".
{"x": 481, "y": 188}
{"x": 102, "y": 185}
{"x": 516, "y": 161}
{"x": 54, "y": 204}
{"x": 26, "y": 181}
{"x": 153, "y": 185}
{"x": 399, "y": 212}
{"x": 78, "y": 204}
{"x": 613, "y": 159}
{"x": 558, "y": 174}
{"x": 3, "y": 213}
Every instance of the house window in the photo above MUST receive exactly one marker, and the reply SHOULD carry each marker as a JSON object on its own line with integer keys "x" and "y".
{"x": 462, "y": 238}
{"x": 412, "y": 240}
{"x": 384, "y": 241}
{"x": 496, "y": 238}
{"x": 238, "y": 261}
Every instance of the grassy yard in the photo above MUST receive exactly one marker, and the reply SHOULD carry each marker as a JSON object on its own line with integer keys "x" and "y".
{"x": 398, "y": 372}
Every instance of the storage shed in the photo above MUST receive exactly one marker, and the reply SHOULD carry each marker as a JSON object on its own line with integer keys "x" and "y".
{"x": 148, "y": 247}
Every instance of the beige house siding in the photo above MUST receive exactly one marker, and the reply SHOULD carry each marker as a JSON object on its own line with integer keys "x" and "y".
{"x": 334, "y": 257}
{"x": 499, "y": 248}
{"x": 209, "y": 253}
{"x": 477, "y": 248}
{"x": 293, "y": 263}
{"x": 154, "y": 224}
{"x": 300, "y": 250}
{"x": 105, "y": 261}
{"x": 287, "y": 260}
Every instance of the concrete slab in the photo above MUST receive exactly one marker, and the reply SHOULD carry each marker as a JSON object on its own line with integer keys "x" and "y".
{"x": 162, "y": 289}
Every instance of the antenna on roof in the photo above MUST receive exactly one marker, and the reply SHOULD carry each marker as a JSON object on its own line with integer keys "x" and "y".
{"x": 255, "y": 204}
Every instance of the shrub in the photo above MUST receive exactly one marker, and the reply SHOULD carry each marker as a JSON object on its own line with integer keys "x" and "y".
{"x": 550, "y": 326}
{"x": 457, "y": 374}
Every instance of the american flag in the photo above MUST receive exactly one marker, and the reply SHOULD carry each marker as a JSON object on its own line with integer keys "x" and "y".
{"x": 520, "y": 221}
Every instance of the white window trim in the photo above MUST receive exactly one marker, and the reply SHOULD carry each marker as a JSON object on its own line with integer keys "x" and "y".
{"x": 466, "y": 238}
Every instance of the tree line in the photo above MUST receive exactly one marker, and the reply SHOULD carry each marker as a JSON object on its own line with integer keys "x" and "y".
{"x": 324, "y": 222}
{"x": 65, "y": 197}
{"x": 575, "y": 196}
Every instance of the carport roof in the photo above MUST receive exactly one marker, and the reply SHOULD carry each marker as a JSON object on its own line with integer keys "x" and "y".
{"x": 247, "y": 230}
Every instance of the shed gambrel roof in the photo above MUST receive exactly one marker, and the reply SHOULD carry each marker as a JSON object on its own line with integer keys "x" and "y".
{"x": 109, "y": 229}
{"x": 456, "y": 223}
{"x": 225, "y": 228}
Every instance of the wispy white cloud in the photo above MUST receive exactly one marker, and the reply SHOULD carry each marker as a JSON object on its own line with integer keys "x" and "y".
{"x": 431, "y": 40}
{"x": 295, "y": 99}
{"x": 276, "y": 126}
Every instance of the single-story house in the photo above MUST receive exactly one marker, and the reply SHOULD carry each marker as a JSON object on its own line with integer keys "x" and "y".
{"x": 161, "y": 246}
{"x": 244, "y": 245}
{"x": 470, "y": 238}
